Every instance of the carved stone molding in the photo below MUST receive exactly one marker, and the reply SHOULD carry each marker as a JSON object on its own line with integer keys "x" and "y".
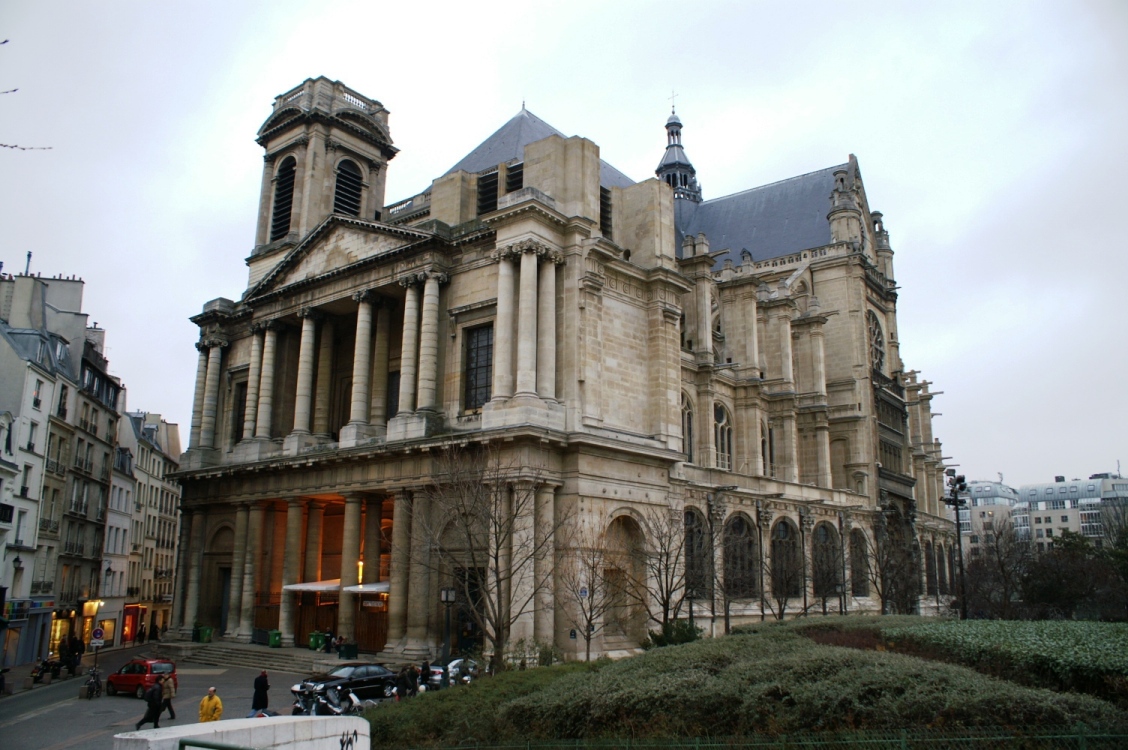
{"x": 312, "y": 313}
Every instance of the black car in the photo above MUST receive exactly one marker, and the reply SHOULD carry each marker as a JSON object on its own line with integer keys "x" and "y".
{"x": 458, "y": 671}
{"x": 368, "y": 681}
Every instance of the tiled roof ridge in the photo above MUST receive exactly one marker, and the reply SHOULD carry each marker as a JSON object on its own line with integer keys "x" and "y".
{"x": 773, "y": 184}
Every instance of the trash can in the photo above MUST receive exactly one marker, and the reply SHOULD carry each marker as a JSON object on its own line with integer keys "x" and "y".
{"x": 347, "y": 651}
{"x": 205, "y": 634}
{"x": 316, "y": 641}
{"x": 276, "y": 639}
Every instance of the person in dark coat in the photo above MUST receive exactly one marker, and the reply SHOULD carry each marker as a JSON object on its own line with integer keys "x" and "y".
{"x": 260, "y": 699}
{"x": 154, "y": 699}
{"x": 139, "y": 636}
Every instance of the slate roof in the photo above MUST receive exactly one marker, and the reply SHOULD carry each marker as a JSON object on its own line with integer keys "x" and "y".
{"x": 769, "y": 221}
{"x": 508, "y": 145}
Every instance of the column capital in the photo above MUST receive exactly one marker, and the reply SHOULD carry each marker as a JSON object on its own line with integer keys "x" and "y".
{"x": 211, "y": 341}
{"x": 410, "y": 280}
{"x": 520, "y": 247}
{"x": 311, "y": 312}
{"x": 432, "y": 274}
{"x": 366, "y": 295}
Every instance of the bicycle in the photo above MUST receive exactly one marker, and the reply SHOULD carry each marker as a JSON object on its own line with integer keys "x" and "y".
{"x": 94, "y": 683}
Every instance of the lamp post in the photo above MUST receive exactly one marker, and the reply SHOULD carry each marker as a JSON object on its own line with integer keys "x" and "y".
{"x": 448, "y": 596}
{"x": 956, "y": 485}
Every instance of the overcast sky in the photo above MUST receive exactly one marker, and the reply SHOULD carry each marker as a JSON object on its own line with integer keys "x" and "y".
{"x": 991, "y": 135}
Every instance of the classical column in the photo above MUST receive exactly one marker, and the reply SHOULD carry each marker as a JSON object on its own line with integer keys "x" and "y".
{"x": 378, "y": 416}
{"x": 783, "y": 334}
{"x": 314, "y": 540}
{"x": 544, "y": 564}
{"x": 304, "y": 393}
{"x": 211, "y": 393}
{"x": 181, "y": 570}
{"x": 420, "y": 577}
{"x": 362, "y": 365}
{"x": 401, "y": 560}
{"x": 239, "y": 559}
{"x": 198, "y": 398}
{"x": 350, "y": 555}
{"x": 290, "y": 568}
{"x": 373, "y": 514}
{"x": 429, "y": 341}
{"x": 195, "y": 554}
{"x": 818, "y": 355}
{"x": 262, "y": 231}
{"x": 266, "y": 390}
{"x": 251, "y": 575}
{"x": 527, "y": 325}
{"x": 324, "y": 380}
{"x": 546, "y": 328}
{"x": 410, "y": 345}
{"x": 253, "y": 376}
{"x": 502, "y": 387}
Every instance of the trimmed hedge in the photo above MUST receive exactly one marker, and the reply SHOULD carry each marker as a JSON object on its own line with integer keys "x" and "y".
{"x": 769, "y": 681}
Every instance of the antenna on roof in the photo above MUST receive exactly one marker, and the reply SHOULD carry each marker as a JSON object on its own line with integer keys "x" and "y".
{"x": 27, "y": 268}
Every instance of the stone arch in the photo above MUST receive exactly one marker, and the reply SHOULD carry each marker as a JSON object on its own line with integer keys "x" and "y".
{"x": 826, "y": 562}
{"x": 859, "y": 563}
{"x": 624, "y": 571}
{"x": 741, "y": 558}
{"x": 786, "y": 560}
{"x": 698, "y": 557}
{"x": 931, "y": 586}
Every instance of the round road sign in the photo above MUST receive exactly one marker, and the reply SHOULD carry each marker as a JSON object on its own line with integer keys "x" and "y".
{"x": 97, "y": 634}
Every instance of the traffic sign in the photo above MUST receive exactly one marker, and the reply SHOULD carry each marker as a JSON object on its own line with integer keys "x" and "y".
{"x": 98, "y": 634}
{"x": 97, "y": 643}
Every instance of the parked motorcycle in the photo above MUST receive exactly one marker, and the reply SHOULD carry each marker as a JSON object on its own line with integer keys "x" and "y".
{"x": 47, "y": 666}
{"x": 337, "y": 703}
{"x": 304, "y": 702}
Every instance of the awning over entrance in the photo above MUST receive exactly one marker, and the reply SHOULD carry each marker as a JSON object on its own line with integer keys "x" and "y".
{"x": 315, "y": 586}
{"x": 369, "y": 588}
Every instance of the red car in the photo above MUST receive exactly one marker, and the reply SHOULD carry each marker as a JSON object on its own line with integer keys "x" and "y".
{"x": 139, "y": 675}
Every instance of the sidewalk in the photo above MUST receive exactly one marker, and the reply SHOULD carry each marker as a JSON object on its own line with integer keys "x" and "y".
{"x": 16, "y": 676}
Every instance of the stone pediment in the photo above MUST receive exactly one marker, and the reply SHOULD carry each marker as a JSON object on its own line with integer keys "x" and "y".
{"x": 336, "y": 244}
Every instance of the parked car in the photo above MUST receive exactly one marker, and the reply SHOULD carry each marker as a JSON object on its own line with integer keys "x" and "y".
{"x": 368, "y": 681}
{"x": 459, "y": 671}
{"x": 139, "y": 675}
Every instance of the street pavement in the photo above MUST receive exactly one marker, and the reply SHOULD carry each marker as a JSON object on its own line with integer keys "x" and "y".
{"x": 53, "y": 717}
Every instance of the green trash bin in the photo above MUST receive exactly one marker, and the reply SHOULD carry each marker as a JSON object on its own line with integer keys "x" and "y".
{"x": 347, "y": 651}
{"x": 316, "y": 641}
{"x": 205, "y": 634}
{"x": 276, "y": 639}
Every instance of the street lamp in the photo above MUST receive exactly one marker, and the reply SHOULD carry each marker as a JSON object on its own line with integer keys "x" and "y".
{"x": 717, "y": 518}
{"x": 448, "y": 596}
{"x": 956, "y": 485}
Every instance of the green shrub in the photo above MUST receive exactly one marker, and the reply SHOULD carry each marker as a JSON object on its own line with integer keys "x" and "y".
{"x": 672, "y": 633}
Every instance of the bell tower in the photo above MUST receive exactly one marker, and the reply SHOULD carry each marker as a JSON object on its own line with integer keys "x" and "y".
{"x": 675, "y": 168}
{"x": 327, "y": 152}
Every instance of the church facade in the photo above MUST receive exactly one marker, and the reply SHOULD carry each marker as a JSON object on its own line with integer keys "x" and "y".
{"x": 627, "y": 349}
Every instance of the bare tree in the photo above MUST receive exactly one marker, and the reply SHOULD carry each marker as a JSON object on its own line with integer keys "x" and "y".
{"x": 783, "y": 568}
{"x": 995, "y": 573}
{"x": 485, "y": 536}
{"x": 892, "y": 567}
{"x": 581, "y": 584}
{"x": 661, "y": 590}
{"x": 13, "y": 146}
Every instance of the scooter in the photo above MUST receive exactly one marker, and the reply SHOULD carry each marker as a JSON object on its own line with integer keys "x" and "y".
{"x": 304, "y": 702}
{"x": 333, "y": 703}
{"x": 48, "y": 665}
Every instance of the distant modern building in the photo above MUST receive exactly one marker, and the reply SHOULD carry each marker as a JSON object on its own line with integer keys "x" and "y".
{"x": 1076, "y": 505}
{"x": 989, "y": 510}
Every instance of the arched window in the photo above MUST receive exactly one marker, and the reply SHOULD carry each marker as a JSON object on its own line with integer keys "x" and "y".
{"x": 930, "y": 582}
{"x": 687, "y": 428}
{"x": 346, "y": 199}
{"x": 859, "y": 563}
{"x": 826, "y": 563}
{"x": 698, "y": 582}
{"x": 942, "y": 569}
{"x": 722, "y": 436}
{"x": 876, "y": 341}
{"x": 787, "y": 570}
{"x": 283, "y": 199}
{"x": 741, "y": 559}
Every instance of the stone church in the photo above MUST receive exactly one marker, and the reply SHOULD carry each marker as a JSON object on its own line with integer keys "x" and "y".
{"x": 731, "y": 363}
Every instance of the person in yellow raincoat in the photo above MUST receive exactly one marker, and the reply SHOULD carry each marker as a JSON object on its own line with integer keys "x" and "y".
{"x": 211, "y": 707}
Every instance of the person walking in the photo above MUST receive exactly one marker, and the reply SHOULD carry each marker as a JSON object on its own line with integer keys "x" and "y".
{"x": 168, "y": 692}
{"x": 154, "y": 699}
{"x": 260, "y": 700}
{"x": 211, "y": 707}
{"x": 139, "y": 636}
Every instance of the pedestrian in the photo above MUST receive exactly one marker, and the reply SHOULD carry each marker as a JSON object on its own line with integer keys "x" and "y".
{"x": 425, "y": 675}
{"x": 260, "y": 699}
{"x": 168, "y": 692}
{"x": 65, "y": 654}
{"x": 140, "y": 635}
{"x": 211, "y": 707}
{"x": 402, "y": 685}
{"x": 154, "y": 698}
{"x": 328, "y": 642}
{"x": 153, "y": 633}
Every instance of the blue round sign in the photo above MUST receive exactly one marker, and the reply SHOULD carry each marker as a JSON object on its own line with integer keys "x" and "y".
{"x": 97, "y": 634}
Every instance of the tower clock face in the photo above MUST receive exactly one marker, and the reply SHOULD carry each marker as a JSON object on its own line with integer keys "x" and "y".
{"x": 876, "y": 341}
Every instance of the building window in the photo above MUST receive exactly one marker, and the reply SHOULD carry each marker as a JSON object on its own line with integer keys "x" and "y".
{"x": 478, "y": 366}
{"x": 283, "y": 199}
{"x": 722, "y": 434}
{"x": 605, "y": 212}
{"x": 346, "y": 198}
{"x": 687, "y": 427}
{"x": 787, "y": 571}
{"x": 487, "y": 193}
{"x": 826, "y": 563}
{"x": 515, "y": 178}
{"x": 740, "y": 559}
{"x": 876, "y": 341}
{"x": 859, "y": 564}
{"x": 697, "y": 562}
